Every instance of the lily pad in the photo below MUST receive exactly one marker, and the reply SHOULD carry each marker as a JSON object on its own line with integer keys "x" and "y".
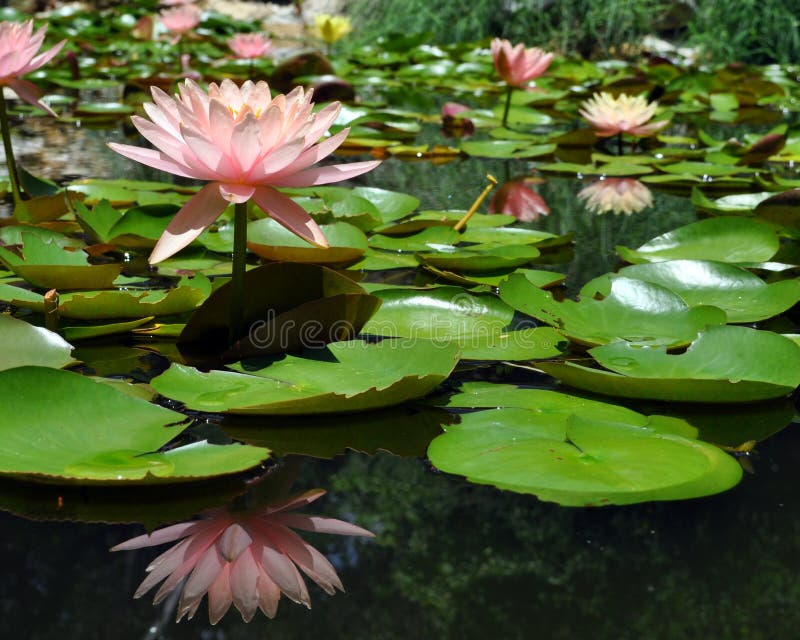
{"x": 272, "y": 241}
{"x": 741, "y": 294}
{"x": 479, "y": 257}
{"x": 629, "y": 309}
{"x": 344, "y": 376}
{"x": 724, "y": 364}
{"x": 579, "y": 460}
{"x": 23, "y": 344}
{"x": 64, "y": 427}
{"x": 731, "y": 239}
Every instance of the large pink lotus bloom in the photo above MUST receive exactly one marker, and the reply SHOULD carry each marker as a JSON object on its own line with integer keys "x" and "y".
{"x": 242, "y": 558}
{"x": 619, "y": 195}
{"x": 19, "y": 47}
{"x": 517, "y": 199}
{"x": 623, "y": 114}
{"x": 246, "y": 143}
{"x": 181, "y": 19}
{"x": 518, "y": 65}
{"x": 250, "y": 45}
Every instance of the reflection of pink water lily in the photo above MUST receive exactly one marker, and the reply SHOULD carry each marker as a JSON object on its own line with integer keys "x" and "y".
{"x": 181, "y": 19}
{"x": 245, "y": 143}
{"x": 518, "y": 65}
{"x": 452, "y": 120}
{"x": 250, "y": 45}
{"x": 246, "y": 559}
{"x": 620, "y": 195}
{"x": 516, "y": 198}
{"x": 623, "y": 114}
{"x": 19, "y": 54}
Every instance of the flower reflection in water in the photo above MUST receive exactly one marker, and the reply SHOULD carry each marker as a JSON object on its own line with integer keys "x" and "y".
{"x": 245, "y": 558}
{"x": 620, "y": 195}
{"x": 516, "y": 198}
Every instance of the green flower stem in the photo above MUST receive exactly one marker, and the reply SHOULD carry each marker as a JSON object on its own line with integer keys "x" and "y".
{"x": 13, "y": 176}
{"x": 236, "y": 325}
{"x": 508, "y": 105}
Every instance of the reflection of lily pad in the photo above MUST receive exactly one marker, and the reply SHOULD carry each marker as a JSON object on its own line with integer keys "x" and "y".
{"x": 579, "y": 460}
{"x": 345, "y": 376}
{"x": 629, "y": 309}
{"x": 741, "y": 294}
{"x": 23, "y": 344}
{"x": 62, "y": 426}
{"x": 724, "y": 364}
{"x": 733, "y": 240}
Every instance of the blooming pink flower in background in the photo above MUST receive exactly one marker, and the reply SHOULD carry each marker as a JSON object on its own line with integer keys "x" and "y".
{"x": 19, "y": 47}
{"x": 242, "y": 558}
{"x": 181, "y": 19}
{"x": 620, "y": 195}
{"x": 517, "y": 199}
{"x": 518, "y": 65}
{"x": 623, "y": 114}
{"x": 246, "y": 143}
{"x": 250, "y": 45}
{"x": 452, "y": 109}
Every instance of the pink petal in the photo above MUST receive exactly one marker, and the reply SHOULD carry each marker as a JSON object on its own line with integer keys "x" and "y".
{"x": 245, "y": 145}
{"x": 325, "y": 175}
{"x": 43, "y": 58}
{"x": 30, "y": 93}
{"x": 297, "y": 502}
{"x": 269, "y": 594}
{"x": 284, "y": 574}
{"x": 219, "y": 595}
{"x": 314, "y": 154}
{"x": 160, "y": 536}
{"x": 198, "y": 213}
{"x": 244, "y": 585}
{"x": 290, "y": 214}
{"x": 312, "y": 562}
{"x": 320, "y": 524}
{"x": 203, "y": 576}
{"x": 153, "y": 158}
{"x": 211, "y": 163}
{"x": 234, "y": 541}
{"x": 236, "y": 193}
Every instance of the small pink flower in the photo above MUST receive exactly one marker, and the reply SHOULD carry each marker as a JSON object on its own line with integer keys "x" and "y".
{"x": 620, "y": 195}
{"x": 518, "y": 65}
{"x": 517, "y": 199}
{"x": 181, "y": 19}
{"x": 19, "y": 48}
{"x": 245, "y": 143}
{"x": 242, "y": 558}
{"x": 623, "y": 114}
{"x": 452, "y": 109}
{"x": 250, "y": 45}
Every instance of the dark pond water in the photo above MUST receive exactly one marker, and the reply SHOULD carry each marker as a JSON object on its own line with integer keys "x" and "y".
{"x": 451, "y": 559}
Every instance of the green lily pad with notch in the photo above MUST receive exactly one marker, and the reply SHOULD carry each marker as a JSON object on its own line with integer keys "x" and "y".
{"x": 424, "y": 240}
{"x": 543, "y": 279}
{"x": 13, "y": 235}
{"x": 705, "y": 169}
{"x": 731, "y": 239}
{"x": 272, "y": 241}
{"x": 391, "y": 205}
{"x": 506, "y": 149}
{"x": 617, "y": 169}
{"x": 141, "y": 227}
{"x": 425, "y": 219}
{"x": 629, "y": 309}
{"x": 92, "y": 331}
{"x": 376, "y": 260}
{"x": 289, "y": 306}
{"x": 738, "y": 204}
{"x": 22, "y": 344}
{"x": 404, "y": 431}
{"x": 47, "y": 265}
{"x": 724, "y": 364}
{"x": 580, "y": 460}
{"x": 514, "y": 236}
{"x": 477, "y": 323}
{"x": 350, "y": 208}
{"x": 740, "y": 293}
{"x": 187, "y": 295}
{"x": 342, "y": 377}
{"x": 67, "y": 428}
{"x": 479, "y": 257}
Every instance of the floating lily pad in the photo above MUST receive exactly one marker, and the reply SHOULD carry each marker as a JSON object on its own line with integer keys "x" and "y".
{"x": 733, "y": 240}
{"x": 506, "y": 149}
{"x": 724, "y": 364}
{"x": 579, "y": 460}
{"x": 741, "y": 294}
{"x": 23, "y": 344}
{"x": 425, "y": 219}
{"x": 781, "y": 208}
{"x": 345, "y": 376}
{"x": 64, "y": 427}
{"x": 479, "y": 257}
{"x": 271, "y": 240}
{"x": 132, "y": 303}
{"x": 628, "y": 310}
{"x": 89, "y": 332}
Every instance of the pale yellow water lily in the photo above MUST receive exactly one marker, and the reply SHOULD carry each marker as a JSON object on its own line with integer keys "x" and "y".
{"x": 623, "y": 114}
{"x": 618, "y": 195}
{"x": 331, "y": 28}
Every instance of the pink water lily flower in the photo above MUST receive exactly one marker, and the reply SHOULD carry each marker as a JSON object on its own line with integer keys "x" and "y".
{"x": 518, "y": 65}
{"x": 250, "y": 45}
{"x": 623, "y": 114}
{"x": 245, "y": 143}
{"x": 242, "y": 558}
{"x": 618, "y": 195}
{"x": 516, "y": 198}
{"x": 181, "y": 19}
{"x": 19, "y": 54}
